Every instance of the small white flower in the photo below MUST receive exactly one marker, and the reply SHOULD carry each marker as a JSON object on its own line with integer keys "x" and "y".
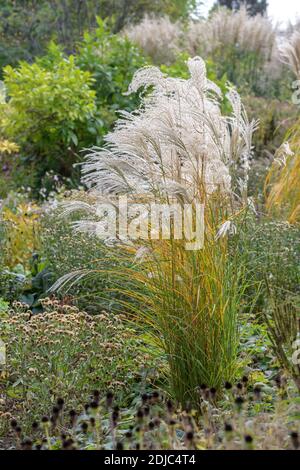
{"x": 228, "y": 228}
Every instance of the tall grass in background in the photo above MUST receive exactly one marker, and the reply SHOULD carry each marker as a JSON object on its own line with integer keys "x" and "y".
{"x": 242, "y": 47}
{"x": 177, "y": 148}
{"x": 282, "y": 186}
{"x": 238, "y": 29}
{"x": 158, "y": 37}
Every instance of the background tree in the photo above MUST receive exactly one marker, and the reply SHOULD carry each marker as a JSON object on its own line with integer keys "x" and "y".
{"x": 254, "y": 7}
{"x": 27, "y": 26}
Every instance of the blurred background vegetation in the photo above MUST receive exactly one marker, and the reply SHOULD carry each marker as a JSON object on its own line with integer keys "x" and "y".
{"x": 27, "y": 26}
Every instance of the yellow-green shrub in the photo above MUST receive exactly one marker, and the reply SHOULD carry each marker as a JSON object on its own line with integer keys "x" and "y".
{"x": 21, "y": 233}
{"x": 49, "y": 113}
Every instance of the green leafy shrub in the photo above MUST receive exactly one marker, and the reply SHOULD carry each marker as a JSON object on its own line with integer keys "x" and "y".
{"x": 112, "y": 61}
{"x": 61, "y": 104}
{"x": 26, "y": 27}
{"x": 50, "y": 113}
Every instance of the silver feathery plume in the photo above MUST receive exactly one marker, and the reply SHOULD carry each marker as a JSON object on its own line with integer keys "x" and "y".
{"x": 176, "y": 147}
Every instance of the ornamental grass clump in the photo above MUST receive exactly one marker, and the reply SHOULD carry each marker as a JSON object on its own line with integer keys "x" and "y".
{"x": 158, "y": 38}
{"x": 238, "y": 29}
{"x": 239, "y": 46}
{"x": 242, "y": 47}
{"x": 282, "y": 186}
{"x": 290, "y": 52}
{"x": 177, "y": 150}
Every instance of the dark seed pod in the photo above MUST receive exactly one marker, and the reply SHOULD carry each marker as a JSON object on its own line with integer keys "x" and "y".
{"x": 35, "y": 425}
{"x": 228, "y": 427}
{"x": 170, "y": 405}
{"x": 109, "y": 399}
{"x": 14, "y": 423}
{"x": 140, "y": 414}
{"x": 84, "y": 426}
{"x": 60, "y": 403}
{"x": 94, "y": 405}
{"x": 26, "y": 444}
{"x": 239, "y": 401}
{"x": 145, "y": 398}
{"x": 295, "y": 440}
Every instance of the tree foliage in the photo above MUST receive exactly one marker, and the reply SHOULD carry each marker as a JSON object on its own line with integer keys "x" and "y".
{"x": 254, "y": 7}
{"x": 27, "y": 26}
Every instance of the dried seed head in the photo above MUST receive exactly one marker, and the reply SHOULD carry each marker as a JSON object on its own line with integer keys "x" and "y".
{"x": 228, "y": 386}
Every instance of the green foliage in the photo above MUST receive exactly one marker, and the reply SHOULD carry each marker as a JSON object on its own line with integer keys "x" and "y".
{"x": 66, "y": 353}
{"x": 242, "y": 68}
{"x": 50, "y": 112}
{"x": 275, "y": 118}
{"x": 177, "y": 9}
{"x": 65, "y": 251}
{"x": 60, "y": 105}
{"x": 63, "y": 92}
{"x": 271, "y": 253}
{"x": 254, "y": 7}
{"x": 283, "y": 321}
{"x": 27, "y": 26}
{"x": 23, "y": 28}
{"x": 256, "y": 348}
{"x": 112, "y": 61}
{"x": 4, "y": 306}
